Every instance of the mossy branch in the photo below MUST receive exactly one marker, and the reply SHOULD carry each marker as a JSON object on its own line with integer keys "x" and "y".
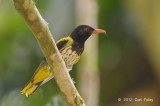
{"x": 39, "y": 27}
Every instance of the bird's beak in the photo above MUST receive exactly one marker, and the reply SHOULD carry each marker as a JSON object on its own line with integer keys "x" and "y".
{"x": 99, "y": 31}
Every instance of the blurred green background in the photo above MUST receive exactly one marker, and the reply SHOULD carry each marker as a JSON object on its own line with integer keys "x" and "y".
{"x": 128, "y": 58}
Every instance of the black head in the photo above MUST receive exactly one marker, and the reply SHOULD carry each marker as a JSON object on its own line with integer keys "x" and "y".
{"x": 82, "y": 33}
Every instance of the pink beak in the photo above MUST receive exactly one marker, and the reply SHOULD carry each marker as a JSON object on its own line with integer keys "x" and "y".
{"x": 98, "y": 31}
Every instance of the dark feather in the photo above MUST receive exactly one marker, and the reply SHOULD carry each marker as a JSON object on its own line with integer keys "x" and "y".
{"x": 61, "y": 44}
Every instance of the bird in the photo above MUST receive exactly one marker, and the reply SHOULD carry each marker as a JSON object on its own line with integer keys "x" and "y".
{"x": 70, "y": 48}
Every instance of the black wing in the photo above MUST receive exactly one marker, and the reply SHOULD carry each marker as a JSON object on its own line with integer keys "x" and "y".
{"x": 61, "y": 43}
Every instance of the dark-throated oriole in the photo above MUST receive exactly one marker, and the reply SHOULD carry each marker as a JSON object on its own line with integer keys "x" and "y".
{"x": 70, "y": 47}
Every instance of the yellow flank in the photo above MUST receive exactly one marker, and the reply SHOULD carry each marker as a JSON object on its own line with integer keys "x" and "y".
{"x": 77, "y": 60}
{"x": 36, "y": 81}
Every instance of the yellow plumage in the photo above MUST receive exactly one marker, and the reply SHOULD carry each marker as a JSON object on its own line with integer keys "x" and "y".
{"x": 43, "y": 73}
{"x": 36, "y": 81}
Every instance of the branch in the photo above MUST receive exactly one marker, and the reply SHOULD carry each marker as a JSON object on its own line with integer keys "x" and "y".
{"x": 39, "y": 27}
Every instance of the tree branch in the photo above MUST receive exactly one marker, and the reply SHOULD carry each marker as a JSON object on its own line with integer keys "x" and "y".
{"x": 39, "y": 27}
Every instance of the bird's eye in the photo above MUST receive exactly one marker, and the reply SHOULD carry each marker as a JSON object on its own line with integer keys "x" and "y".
{"x": 87, "y": 29}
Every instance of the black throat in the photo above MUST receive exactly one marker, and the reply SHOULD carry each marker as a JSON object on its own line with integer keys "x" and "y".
{"x": 78, "y": 43}
{"x": 78, "y": 47}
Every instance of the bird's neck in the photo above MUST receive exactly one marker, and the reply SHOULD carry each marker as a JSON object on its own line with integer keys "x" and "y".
{"x": 78, "y": 47}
